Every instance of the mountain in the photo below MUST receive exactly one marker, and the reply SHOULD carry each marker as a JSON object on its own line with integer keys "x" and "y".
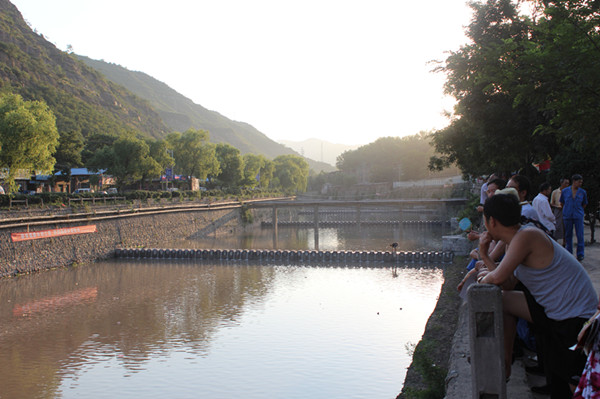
{"x": 320, "y": 150}
{"x": 109, "y": 99}
{"x": 180, "y": 113}
{"x": 81, "y": 99}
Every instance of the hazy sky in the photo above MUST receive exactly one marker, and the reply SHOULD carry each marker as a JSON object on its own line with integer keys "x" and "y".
{"x": 346, "y": 71}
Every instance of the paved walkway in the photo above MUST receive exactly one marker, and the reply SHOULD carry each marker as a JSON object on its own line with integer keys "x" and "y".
{"x": 519, "y": 386}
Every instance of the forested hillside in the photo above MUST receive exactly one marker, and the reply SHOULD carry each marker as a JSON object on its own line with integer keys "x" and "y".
{"x": 87, "y": 104}
{"x": 180, "y": 113}
{"x": 390, "y": 159}
{"x": 81, "y": 99}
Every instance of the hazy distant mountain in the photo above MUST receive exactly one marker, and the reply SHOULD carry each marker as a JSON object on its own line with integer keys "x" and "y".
{"x": 319, "y": 150}
{"x": 180, "y": 113}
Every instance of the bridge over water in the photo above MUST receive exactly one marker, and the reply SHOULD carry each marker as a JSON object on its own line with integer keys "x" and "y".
{"x": 401, "y": 209}
{"x": 414, "y": 211}
{"x": 140, "y": 226}
{"x": 361, "y": 212}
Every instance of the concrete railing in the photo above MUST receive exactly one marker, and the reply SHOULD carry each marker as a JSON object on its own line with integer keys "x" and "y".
{"x": 487, "y": 342}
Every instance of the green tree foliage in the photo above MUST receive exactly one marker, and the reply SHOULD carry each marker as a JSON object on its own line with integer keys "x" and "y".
{"x": 563, "y": 60}
{"x": 194, "y": 155}
{"x": 482, "y": 76}
{"x": 391, "y": 159}
{"x": 231, "y": 164}
{"x": 159, "y": 152}
{"x": 79, "y": 96}
{"x": 266, "y": 174}
{"x": 28, "y": 136}
{"x": 69, "y": 150}
{"x": 252, "y": 166}
{"x": 96, "y": 142}
{"x": 258, "y": 171}
{"x": 69, "y": 153}
{"x": 527, "y": 90}
{"x": 128, "y": 160}
{"x": 291, "y": 173}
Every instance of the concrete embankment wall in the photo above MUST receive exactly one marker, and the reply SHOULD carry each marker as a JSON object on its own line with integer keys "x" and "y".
{"x": 136, "y": 231}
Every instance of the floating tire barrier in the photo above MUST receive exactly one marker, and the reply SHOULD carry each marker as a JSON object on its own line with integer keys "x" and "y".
{"x": 260, "y": 255}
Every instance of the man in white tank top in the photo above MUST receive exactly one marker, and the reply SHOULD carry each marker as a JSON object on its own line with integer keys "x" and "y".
{"x": 559, "y": 295}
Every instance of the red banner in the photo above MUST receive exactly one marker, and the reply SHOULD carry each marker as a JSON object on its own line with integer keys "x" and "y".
{"x": 66, "y": 231}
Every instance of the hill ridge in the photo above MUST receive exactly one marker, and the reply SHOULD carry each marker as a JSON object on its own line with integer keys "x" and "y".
{"x": 181, "y": 113}
{"x": 86, "y": 101}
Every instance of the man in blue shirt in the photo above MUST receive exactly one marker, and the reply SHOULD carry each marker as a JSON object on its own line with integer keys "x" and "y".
{"x": 574, "y": 199}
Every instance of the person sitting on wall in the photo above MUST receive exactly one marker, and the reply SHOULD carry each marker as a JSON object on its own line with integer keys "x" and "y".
{"x": 493, "y": 185}
{"x": 496, "y": 248}
{"x": 484, "y": 191}
{"x": 559, "y": 295}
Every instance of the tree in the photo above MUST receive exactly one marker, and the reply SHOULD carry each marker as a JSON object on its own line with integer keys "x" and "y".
{"x": 68, "y": 155}
{"x": 527, "y": 90}
{"x": 28, "y": 136}
{"x": 159, "y": 151}
{"x": 258, "y": 171}
{"x": 158, "y": 159}
{"x": 252, "y": 166}
{"x": 376, "y": 162}
{"x": 564, "y": 67}
{"x": 69, "y": 149}
{"x": 484, "y": 76}
{"x": 545, "y": 72}
{"x": 231, "y": 164}
{"x": 194, "y": 155}
{"x": 291, "y": 172}
{"x": 266, "y": 173}
{"x": 390, "y": 159}
{"x": 128, "y": 160}
{"x": 95, "y": 143}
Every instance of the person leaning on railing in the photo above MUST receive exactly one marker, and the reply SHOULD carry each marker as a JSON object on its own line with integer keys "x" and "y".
{"x": 558, "y": 298}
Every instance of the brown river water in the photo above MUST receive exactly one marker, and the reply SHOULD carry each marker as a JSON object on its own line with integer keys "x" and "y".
{"x": 193, "y": 329}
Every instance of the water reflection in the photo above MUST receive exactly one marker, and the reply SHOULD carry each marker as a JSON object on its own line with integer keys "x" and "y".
{"x": 137, "y": 310}
{"x": 55, "y": 302}
{"x": 183, "y": 329}
{"x": 356, "y": 237}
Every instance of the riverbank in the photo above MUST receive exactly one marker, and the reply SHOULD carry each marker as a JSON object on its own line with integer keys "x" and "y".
{"x": 426, "y": 376}
{"x": 41, "y": 245}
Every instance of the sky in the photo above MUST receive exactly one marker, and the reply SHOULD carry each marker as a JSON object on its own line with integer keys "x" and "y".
{"x": 344, "y": 71}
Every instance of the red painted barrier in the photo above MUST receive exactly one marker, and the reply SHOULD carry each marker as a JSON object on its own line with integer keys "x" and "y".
{"x": 66, "y": 231}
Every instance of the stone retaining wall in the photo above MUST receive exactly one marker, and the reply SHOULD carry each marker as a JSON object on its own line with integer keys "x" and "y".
{"x": 139, "y": 231}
